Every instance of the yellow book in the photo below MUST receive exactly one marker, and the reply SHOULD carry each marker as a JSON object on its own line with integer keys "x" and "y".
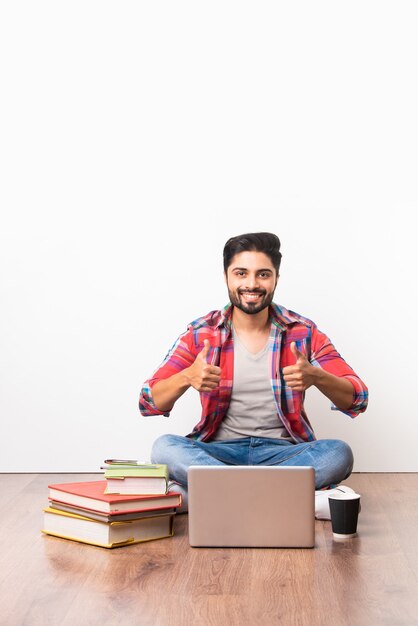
{"x": 106, "y": 534}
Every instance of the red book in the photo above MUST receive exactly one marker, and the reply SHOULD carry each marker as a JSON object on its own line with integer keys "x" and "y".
{"x": 91, "y": 495}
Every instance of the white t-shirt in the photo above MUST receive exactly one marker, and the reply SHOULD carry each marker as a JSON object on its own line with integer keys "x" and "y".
{"x": 252, "y": 411}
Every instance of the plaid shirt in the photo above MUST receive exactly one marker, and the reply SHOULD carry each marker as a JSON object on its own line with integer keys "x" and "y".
{"x": 287, "y": 326}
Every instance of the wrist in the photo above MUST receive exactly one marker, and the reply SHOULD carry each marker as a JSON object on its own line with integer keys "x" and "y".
{"x": 318, "y": 376}
{"x": 185, "y": 378}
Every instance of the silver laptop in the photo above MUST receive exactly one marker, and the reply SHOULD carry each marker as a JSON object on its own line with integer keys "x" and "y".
{"x": 251, "y": 506}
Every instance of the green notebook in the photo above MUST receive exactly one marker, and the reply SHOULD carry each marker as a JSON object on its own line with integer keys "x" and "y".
{"x": 143, "y": 471}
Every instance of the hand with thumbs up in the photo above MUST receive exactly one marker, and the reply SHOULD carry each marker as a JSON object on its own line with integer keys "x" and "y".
{"x": 202, "y": 375}
{"x": 301, "y": 375}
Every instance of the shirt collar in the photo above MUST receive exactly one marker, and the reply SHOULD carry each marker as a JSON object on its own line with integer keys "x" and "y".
{"x": 280, "y": 316}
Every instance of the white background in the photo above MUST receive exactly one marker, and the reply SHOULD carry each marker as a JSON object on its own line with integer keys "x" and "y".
{"x": 136, "y": 137}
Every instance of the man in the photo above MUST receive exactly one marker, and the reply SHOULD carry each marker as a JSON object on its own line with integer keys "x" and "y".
{"x": 252, "y": 363}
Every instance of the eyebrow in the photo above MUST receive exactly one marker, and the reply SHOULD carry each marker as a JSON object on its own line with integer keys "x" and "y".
{"x": 245, "y": 269}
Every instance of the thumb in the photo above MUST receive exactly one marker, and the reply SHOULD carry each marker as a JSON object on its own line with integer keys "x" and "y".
{"x": 205, "y": 350}
{"x": 296, "y": 353}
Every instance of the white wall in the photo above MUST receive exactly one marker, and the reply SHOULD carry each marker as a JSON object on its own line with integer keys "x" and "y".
{"x": 135, "y": 139}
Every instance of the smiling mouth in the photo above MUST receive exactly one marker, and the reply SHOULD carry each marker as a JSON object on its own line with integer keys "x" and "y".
{"x": 250, "y": 296}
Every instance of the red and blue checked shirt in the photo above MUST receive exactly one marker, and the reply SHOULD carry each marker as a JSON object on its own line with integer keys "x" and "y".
{"x": 286, "y": 326}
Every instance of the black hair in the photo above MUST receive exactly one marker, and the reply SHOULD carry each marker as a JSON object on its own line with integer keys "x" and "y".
{"x": 261, "y": 242}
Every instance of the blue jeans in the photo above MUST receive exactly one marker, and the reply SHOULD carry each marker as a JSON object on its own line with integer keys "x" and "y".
{"x": 332, "y": 459}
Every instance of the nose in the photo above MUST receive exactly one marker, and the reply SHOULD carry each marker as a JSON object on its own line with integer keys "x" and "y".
{"x": 251, "y": 282}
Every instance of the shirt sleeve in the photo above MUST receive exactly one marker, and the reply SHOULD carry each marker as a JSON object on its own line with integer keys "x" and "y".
{"x": 324, "y": 355}
{"x": 181, "y": 355}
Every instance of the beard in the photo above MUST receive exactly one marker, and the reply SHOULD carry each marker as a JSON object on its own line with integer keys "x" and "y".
{"x": 251, "y": 308}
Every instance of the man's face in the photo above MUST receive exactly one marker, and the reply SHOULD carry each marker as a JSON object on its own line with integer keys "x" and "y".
{"x": 251, "y": 280}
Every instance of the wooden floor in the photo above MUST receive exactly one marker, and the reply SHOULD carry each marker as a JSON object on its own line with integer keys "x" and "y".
{"x": 369, "y": 580}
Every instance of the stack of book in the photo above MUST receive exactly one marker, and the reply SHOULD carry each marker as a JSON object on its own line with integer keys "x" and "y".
{"x": 87, "y": 512}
